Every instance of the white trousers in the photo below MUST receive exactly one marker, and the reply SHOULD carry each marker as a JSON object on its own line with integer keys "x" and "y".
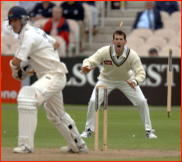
{"x": 136, "y": 97}
{"x": 49, "y": 90}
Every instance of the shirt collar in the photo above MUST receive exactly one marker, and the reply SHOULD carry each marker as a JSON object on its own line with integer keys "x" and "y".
{"x": 123, "y": 54}
{"x": 23, "y": 30}
{"x": 149, "y": 10}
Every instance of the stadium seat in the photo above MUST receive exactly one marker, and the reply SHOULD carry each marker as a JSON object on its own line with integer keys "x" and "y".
{"x": 143, "y": 50}
{"x": 3, "y": 19}
{"x": 164, "y": 16}
{"x": 156, "y": 41}
{"x": 100, "y": 5}
{"x": 176, "y": 41}
{"x": 165, "y": 33}
{"x": 4, "y": 14}
{"x": 9, "y": 40}
{"x": 40, "y": 23}
{"x": 131, "y": 46}
{"x": 88, "y": 19}
{"x": 13, "y": 49}
{"x": 176, "y": 16}
{"x": 62, "y": 49}
{"x": 11, "y": 52}
{"x": 143, "y": 33}
{"x": 9, "y": 4}
{"x": 87, "y": 13}
{"x": 136, "y": 41}
{"x": 74, "y": 36}
{"x": 4, "y": 48}
{"x": 173, "y": 24}
{"x": 176, "y": 51}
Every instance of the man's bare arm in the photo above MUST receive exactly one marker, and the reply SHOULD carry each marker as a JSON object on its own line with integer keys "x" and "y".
{"x": 85, "y": 69}
{"x": 132, "y": 85}
{"x": 16, "y": 62}
{"x": 56, "y": 45}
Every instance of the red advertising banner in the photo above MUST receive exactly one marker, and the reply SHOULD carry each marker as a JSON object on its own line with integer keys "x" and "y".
{"x": 9, "y": 86}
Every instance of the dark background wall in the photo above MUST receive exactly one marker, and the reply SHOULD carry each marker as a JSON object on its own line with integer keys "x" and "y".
{"x": 79, "y": 87}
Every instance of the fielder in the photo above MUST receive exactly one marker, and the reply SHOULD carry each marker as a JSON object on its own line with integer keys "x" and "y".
{"x": 37, "y": 52}
{"x": 121, "y": 69}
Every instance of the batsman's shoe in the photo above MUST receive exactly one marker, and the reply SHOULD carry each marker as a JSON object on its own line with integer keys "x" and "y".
{"x": 22, "y": 149}
{"x": 66, "y": 149}
{"x": 87, "y": 133}
{"x": 150, "y": 134}
{"x": 81, "y": 149}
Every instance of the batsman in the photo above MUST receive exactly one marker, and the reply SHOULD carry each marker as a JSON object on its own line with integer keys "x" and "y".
{"x": 122, "y": 69}
{"x": 37, "y": 52}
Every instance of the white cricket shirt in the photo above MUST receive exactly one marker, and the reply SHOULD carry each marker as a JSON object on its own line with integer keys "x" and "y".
{"x": 37, "y": 47}
{"x": 127, "y": 66}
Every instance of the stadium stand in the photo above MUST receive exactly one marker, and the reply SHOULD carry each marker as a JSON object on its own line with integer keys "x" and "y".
{"x": 74, "y": 36}
{"x": 143, "y": 33}
{"x": 176, "y": 51}
{"x": 173, "y": 24}
{"x": 165, "y": 33}
{"x": 164, "y": 16}
{"x": 156, "y": 41}
{"x": 109, "y": 20}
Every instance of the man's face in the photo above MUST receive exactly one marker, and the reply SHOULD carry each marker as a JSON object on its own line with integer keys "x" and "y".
{"x": 16, "y": 25}
{"x": 70, "y": 2}
{"x": 149, "y": 5}
{"x": 119, "y": 42}
{"x": 45, "y": 2}
{"x": 153, "y": 54}
{"x": 56, "y": 14}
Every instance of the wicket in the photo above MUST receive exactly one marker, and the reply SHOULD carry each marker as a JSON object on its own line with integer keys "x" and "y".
{"x": 169, "y": 83}
{"x": 97, "y": 118}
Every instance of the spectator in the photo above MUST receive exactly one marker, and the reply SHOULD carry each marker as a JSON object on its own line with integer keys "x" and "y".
{"x": 27, "y": 5}
{"x": 153, "y": 52}
{"x": 57, "y": 25}
{"x": 150, "y": 18}
{"x": 168, "y": 6}
{"x": 94, "y": 13}
{"x": 74, "y": 10}
{"x": 42, "y": 10}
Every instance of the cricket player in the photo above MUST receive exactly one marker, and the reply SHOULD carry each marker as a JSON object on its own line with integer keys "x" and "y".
{"x": 37, "y": 52}
{"x": 122, "y": 69}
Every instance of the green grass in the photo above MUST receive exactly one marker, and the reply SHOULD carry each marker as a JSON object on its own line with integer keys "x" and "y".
{"x": 169, "y": 158}
{"x": 122, "y": 125}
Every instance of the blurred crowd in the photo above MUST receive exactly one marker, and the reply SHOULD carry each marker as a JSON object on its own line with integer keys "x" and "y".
{"x": 56, "y": 18}
{"x": 52, "y": 18}
{"x": 151, "y": 18}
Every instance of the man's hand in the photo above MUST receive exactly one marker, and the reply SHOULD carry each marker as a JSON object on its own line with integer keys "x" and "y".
{"x": 85, "y": 69}
{"x": 131, "y": 84}
{"x": 24, "y": 72}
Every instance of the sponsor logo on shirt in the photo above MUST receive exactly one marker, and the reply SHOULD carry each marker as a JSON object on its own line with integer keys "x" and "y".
{"x": 108, "y": 62}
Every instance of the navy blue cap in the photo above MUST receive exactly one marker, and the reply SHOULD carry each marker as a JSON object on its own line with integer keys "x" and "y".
{"x": 16, "y": 13}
